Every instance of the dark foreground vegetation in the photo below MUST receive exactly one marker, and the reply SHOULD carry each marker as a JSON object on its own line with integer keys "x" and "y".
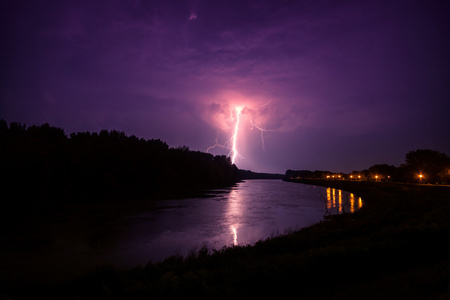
{"x": 43, "y": 163}
{"x": 395, "y": 247}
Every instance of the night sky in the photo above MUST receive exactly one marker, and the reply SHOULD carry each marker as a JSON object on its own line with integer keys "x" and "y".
{"x": 336, "y": 85}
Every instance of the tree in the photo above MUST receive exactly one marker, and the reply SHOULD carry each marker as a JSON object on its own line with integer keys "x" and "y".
{"x": 428, "y": 163}
{"x": 42, "y": 162}
{"x": 384, "y": 172}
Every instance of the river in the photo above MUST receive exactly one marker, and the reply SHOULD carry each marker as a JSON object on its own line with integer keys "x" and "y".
{"x": 63, "y": 244}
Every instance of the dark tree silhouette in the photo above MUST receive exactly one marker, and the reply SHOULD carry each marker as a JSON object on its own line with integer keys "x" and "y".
{"x": 384, "y": 172}
{"x": 42, "y": 162}
{"x": 430, "y": 163}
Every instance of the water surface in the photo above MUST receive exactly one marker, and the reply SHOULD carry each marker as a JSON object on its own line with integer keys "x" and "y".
{"x": 244, "y": 214}
{"x": 69, "y": 241}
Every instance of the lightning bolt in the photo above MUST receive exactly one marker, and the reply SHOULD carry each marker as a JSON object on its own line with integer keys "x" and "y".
{"x": 261, "y": 130}
{"x": 231, "y": 144}
{"x": 217, "y": 144}
{"x": 234, "y": 152}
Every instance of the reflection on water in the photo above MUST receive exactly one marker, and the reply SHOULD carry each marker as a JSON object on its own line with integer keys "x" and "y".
{"x": 336, "y": 203}
{"x": 234, "y": 230}
{"x": 233, "y": 213}
{"x": 65, "y": 242}
{"x": 253, "y": 204}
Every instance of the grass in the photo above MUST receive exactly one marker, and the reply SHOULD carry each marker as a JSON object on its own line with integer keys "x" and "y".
{"x": 395, "y": 247}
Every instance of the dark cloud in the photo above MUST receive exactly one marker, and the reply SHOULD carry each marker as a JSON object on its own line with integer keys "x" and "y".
{"x": 337, "y": 85}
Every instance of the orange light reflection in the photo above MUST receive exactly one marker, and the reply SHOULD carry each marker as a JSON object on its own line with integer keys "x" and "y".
{"x": 334, "y": 201}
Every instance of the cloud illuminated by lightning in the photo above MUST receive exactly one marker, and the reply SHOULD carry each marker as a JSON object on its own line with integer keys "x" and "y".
{"x": 237, "y": 113}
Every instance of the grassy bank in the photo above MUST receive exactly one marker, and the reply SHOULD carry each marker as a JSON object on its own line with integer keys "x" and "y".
{"x": 395, "y": 247}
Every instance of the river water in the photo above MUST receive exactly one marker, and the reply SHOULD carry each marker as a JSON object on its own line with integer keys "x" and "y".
{"x": 70, "y": 243}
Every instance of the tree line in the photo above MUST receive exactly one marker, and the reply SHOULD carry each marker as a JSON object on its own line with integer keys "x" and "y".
{"x": 420, "y": 166}
{"x": 43, "y": 162}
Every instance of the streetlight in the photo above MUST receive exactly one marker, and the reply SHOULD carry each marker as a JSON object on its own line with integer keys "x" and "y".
{"x": 420, "y": 177}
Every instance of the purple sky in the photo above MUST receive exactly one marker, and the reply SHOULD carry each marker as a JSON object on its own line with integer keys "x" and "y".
{"x": 338, "y": 85}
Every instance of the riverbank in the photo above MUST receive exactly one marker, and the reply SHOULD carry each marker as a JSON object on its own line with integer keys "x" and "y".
{"x": 394, "y": 247}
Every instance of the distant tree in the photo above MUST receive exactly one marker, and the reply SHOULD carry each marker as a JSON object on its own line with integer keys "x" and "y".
{"x": 46, "y": 132}
{"x": 3, "y": 126}
{"x": 293, "y": 174}
{"x": 183, "y": 148}
{"x": 17, "y": 129}
{"x": 384, "y": 172}
{"x": 43, "y": 162}
{"x": 306, "y": 174}
{"x": 429, "y": 163}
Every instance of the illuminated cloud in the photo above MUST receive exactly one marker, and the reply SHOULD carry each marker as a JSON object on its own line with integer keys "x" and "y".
{"x": 336, "y": 85}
